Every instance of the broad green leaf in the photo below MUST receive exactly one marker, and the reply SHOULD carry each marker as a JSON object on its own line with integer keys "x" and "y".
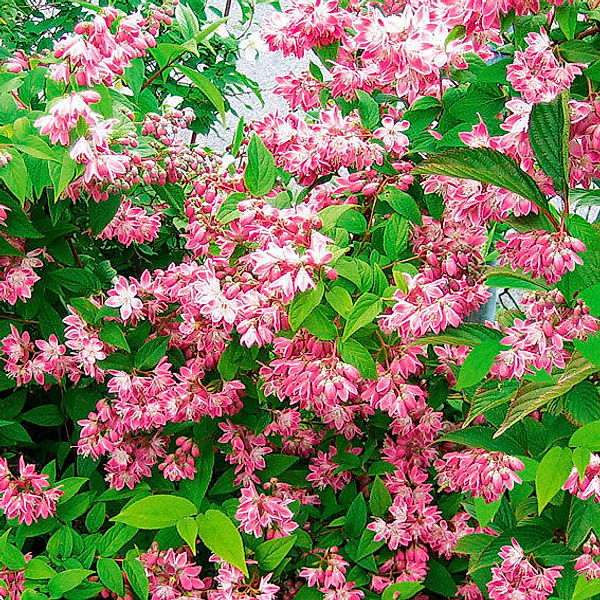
{"x": 368, "y": 110}
{"x": 156, "y": 512}
{"x": 380, "y": 499}
{"x": 367, "y": 308}
{"x": 207, "y": 87}
{"x": 38, "y": 568}
{"x": 591, "y": 297}
{"x": 438, "y": 580}
{"x": 195, "y": 489}
{"x": 403, "y": 203}
{"x": 67, "y": 580}
{"x": 229, "y": 211}
{"x": 260, "y": 172}
{"x": 340, "y": 300}
{"x": 112, "y": 334}
{"x": 566, "y": 17}
{"x": 478, "y": 363}
{"x": 549, "y": 127}
{"x": 590, "y": 348}
{"x": 581, "y": 460}
{"x": 14, "y": 174}
{"x": 587, "y": 436}
{"x": 401, "y": 591}
{"x": 102, "y": 213}
{"x": 269, "y": 554}
{"x": 487, "y": 166}
{"x": 46, "y": 415}
{"x": 137, "y": 578}
{"x": 35, "y": 146}
{"x": 110, "y": 575}
{"x": 187, "y": 528}
{"x": 10, "y": 556}
{"x": 485, "y": 512}
{"x": 330, "y": 214}
{"x": 354, "y": 353}
{"x": 395, "y": 236}
{"x": 586, "y": 589}
{"x": 579, "y": 51}
{"x": 485, "y": 399}
{"x": 304, "y": 303}
{"x": 150, "y": 353}
{"x": 552, "y": 472}
{"x": 468, "y": 334}
{"x": 221, "y": 536}
{"x": 533, "y": 395}
{"x": 506, "y": 277}
{"x": 356, "y": 517}
{"x": 482, "y": 437}
{"x": 582, "y": 403}
{"x": 62, "y": 174}
{"x": 186, "y": 21}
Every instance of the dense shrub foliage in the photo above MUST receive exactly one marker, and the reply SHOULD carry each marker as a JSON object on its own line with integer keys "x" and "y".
{"x": 276, "y": 372}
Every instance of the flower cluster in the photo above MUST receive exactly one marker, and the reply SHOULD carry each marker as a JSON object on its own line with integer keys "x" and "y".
{"x": 28, "y": 496}
{"x": 537, "y": 74}
{"x": 516, "y": 577}
{"x": 478, "y": 472}
{"x": 587, "y": 486}
{"x": 587, "y": 563}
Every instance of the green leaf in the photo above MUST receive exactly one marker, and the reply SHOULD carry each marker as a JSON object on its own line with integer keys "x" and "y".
{"x": 549, "y": 127}
{"x": 221, "y": 537}
{"x": 112, "y": 334}
{"x": 47, "y": 415}
{"x": 367, "y": 545}
{"x": 35, "y": 146}
{"x": 566, "y": 17}
{"x": 186, "y": 21}
{"x": 553, "y": 470}
{"x": 102, "y": 213}
{"x": 187, "y": 528}
{"x": 67, "y": 580}
{"x": 156, "y": 512}
{"x": 581, "y": 460}
{"x": 269, "y": 554}
{"x": 367, "y": 308}
{"x": 260, "y": 173}
{"x": 582, "y": 403}
{"x": 472, "y": 543}
{"x": 403, "y": 203}
{"x": 590, "y": 348}
{"x": 38, "y": 568}
{"x": 586, "y": 589}
{"x": 62, "y": 174}
{"x": 478, "y": 363}
{"x": 587, "y": 436}
{"x": 438, "y": 580}
{"x": 533, "y": 395}
{"x": 487, "y": 166}
{"x": 303, "y": 304}
{"x": 380, "y": 499}
{"x": 238, "y": 137}
{"x": 395, "y": 236}
{"x": 368, "y": 110}
{"x": 137, "y": 578}
{"x": 401, "y": 591}
{"x": 354, "y": 353}
{"x": 591, "y": 297}
{"x": 340, "y": 300}
{"x": 321, "y": 325}
{"x": 229, "y": 211}
{"x": 150, "y": 353}
{"x": 485, "y": 512}
{"x": 10, "y": 556}
{"x": 207, "y": 87}
{"x": 195, "y": 489}
{"x": 14, "y": 174}
{"x": 110, "y": 575}
{"x": 579, "y": 51}
{"x": 356, "y": 517}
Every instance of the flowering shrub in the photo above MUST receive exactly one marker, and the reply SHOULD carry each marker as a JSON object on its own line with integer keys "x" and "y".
{"x": 270, "y": 373}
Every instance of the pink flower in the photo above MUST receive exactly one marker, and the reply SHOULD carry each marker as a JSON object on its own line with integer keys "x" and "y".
{"x": 478, "y": 472}
{"x": 258, "y": 512}
{"x": 543, "y": 254}
{"x": 124, "y": 297}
